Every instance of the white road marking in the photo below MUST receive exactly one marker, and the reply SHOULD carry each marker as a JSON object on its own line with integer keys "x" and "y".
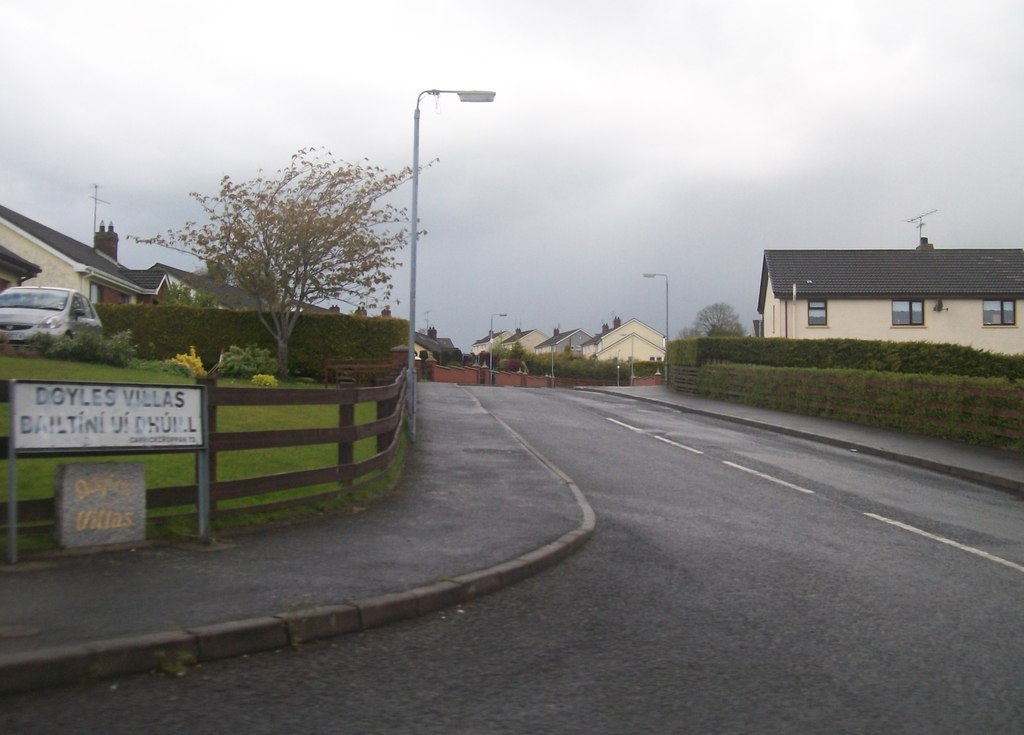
{"x": 677, "y": 444}
{"x": 659, "y": 438}
{"x": 626, "y": 426}
{"x": 948, "y": 542}
{"x": 763, "y": 476}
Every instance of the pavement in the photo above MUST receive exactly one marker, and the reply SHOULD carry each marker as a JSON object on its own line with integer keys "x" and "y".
{"x": 477, "y": 509}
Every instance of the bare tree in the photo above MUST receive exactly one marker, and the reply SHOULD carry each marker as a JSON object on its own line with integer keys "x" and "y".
{"x": 313, "y": 232}
{"x": 717, "y": 320}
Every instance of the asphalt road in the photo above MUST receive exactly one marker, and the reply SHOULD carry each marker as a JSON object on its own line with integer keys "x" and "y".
{"x": 739, "y": 581}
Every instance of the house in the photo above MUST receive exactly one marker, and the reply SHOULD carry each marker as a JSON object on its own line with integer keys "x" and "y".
{"x": 433, "y": 344}
{"x": 484, "y": 344}
{"x": 527, "y": 339}
{"x": 561, "y": 341}
{"x": 625, "y": 342}
{"x": 63, "y": 261}
{"x": 226, "y": 295}
{"x": 959, "y": 296}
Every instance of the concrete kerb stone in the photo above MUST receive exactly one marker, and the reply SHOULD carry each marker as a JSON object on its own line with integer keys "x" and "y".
{"x": 50, "y": 667}
{"x": 324, "y": 621}
{"x": 239, "y": 637}
{"x": 137, "y": 654}
{"x": 439, "y": 595}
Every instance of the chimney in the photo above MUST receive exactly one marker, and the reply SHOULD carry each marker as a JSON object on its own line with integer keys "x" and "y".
{"x": 556, "y": 332}
{"x": 432, "y": 332}
{"x": 105, "y": 241}
{"x": 617, "y": 322}
{"x": 385, "y": 312}
{"x": 604, "y": 328}
{"x": 925, "y": 246}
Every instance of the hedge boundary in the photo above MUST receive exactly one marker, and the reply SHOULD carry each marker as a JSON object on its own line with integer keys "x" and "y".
{"x": 982, "y": 411}
{"x": 161, "y": 332}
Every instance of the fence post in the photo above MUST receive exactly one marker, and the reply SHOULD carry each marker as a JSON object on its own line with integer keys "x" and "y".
{"x": 346, "y": 419}
{"x": 211, "y": 453}
{"x": 384, "y": 409}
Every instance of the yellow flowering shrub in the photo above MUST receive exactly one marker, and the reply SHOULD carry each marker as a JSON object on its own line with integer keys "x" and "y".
{"x": 191, "y": 361}
{"x": 264, "y": 381}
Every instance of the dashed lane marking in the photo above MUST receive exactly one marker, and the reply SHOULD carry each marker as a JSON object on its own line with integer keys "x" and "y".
{"x": 948, "y": 542}
{"x": 659, "y": 438}
{"x": 763, "y": 476}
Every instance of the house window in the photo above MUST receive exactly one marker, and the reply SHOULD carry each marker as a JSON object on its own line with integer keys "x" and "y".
{"x": 999, "y": 312}
{"x": 907, "y": 313}
{"x": 817, "y": 313}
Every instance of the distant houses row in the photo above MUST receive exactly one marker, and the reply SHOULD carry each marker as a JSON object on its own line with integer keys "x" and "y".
{"x": 622, "y": 341}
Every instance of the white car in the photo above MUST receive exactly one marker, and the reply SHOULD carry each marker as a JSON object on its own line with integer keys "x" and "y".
{"x": 26, "y": 311}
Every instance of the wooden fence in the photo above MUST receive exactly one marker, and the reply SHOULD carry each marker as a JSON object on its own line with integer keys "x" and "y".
{"x": 36, "y": 516}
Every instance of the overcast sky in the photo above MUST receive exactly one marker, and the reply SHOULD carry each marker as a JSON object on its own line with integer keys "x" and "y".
{"x": 682, "y": 137}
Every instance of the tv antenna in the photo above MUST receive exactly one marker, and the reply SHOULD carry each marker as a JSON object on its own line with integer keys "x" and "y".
{"x": 96, "y": 201}
{"x": 920, "y": 221}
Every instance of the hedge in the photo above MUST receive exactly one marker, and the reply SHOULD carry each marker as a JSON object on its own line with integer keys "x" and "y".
{"x": 919, "y": 358}
{"x": 160, "y": 332}
{"x": 986, "y": 411}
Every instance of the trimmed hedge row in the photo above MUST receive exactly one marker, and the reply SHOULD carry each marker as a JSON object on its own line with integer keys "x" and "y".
{"x": 587, "y": 368}
{"x": 160, "y": 332}
{"x": 923, "y": 358}
{"x": 986, "y": 411}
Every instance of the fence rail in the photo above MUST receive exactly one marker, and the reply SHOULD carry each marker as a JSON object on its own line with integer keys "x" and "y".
{"x": 37, "y": 516}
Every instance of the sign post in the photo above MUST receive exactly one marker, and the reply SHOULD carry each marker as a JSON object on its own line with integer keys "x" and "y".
{"x": 55, "y": 418}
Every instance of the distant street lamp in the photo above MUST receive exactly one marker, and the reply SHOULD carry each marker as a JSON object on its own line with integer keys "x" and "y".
{"x": 665, "y": 345}
{"x": 490, "y": 347}
{"x": 464, "y": 96}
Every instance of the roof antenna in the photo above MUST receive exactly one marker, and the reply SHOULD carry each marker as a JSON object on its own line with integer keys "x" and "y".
{"x": 920, "y": 222}
{"x": 96, "y": 201}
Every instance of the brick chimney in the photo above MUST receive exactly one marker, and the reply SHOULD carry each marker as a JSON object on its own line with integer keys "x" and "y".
{"x": 617, "y": 322}
{"x": 432, "y": 333}
{"x": 925, "y": 246}
{"x": 386, "y": 312}
{"x": 105, "y": 241}
{"x": 556, "y": 332}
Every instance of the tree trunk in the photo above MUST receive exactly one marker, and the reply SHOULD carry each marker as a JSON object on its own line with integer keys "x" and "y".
{"x": 282, "y": 359}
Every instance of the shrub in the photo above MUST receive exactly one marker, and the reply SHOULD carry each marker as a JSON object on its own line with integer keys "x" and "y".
{"x": 246, "y": 362}
{"x": 264, "y": 381}
{"x": 191, "y": 362}
{"x": 117, "y": 350}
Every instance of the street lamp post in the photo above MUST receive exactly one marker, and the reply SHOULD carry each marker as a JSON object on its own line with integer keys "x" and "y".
{"x": 490, "y": 348}
{"x": 662, "y": 275}
{"x": 464, "y": 96}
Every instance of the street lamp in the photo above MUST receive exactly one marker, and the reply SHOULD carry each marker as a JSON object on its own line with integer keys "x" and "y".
{"x": 490, "y": 347}
{"x": 464, "y": 96}
{"x": 654, "y": 275}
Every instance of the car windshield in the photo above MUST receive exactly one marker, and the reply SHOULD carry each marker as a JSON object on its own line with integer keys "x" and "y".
{"x": 34, "y": 299}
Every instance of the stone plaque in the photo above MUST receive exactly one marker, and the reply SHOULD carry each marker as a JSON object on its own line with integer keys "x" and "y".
{"x": 101, "y": 503}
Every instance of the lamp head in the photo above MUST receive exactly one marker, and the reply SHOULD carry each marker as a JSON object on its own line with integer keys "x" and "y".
{"x": 475, "y": 95}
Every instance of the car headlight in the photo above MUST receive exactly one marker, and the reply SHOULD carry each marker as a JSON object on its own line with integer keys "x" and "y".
{"x": 52, "y": 322}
